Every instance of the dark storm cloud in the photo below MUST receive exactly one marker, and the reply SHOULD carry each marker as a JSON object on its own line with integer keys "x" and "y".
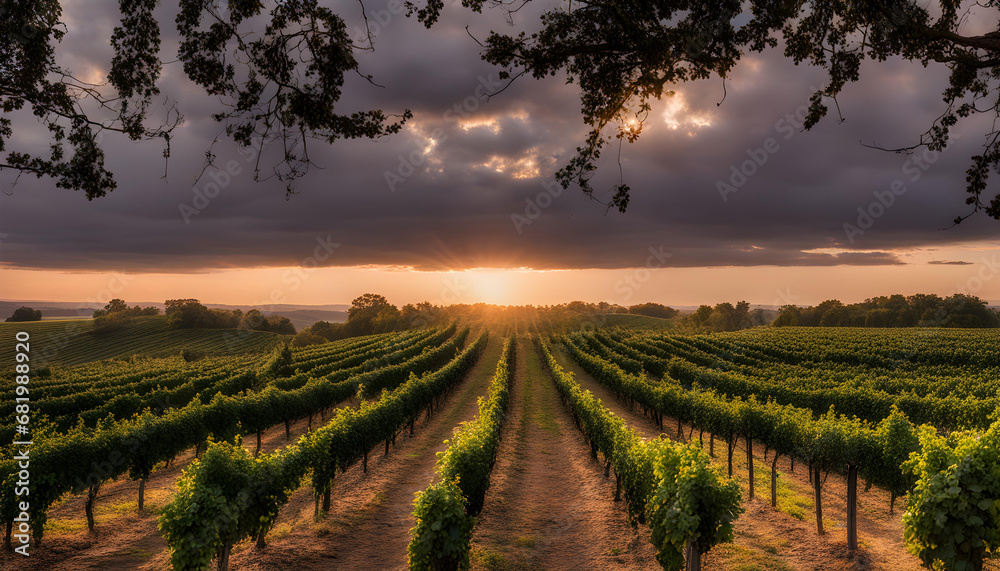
{"x": 454, "y": 201}
{"x": 949, "y": 263}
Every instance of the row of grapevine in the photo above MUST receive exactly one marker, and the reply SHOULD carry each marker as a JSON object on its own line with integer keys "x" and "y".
{"x": 138, "y": 375}
{"x": 864, "y": 402}
{"x": 867, "y": 401}
{"x": 829, "y": 443}
{"x": 879, "y": 347}
{"x": 384, "y": 346}
{"x": 952, "y": 482}
{"x": 689, "y": 506}
{"x": 653, "y": 365}
{"x": 233, "y": 496}
{"x": 445, "y": 512}
{"x": 85, "y": 408}
{"x": 161, "y": 392}
{"x": 381, "y": 357}
{"x": 312, "y": 355}
{"x": 81, "y": 459}
{"x": 600, "y": 349}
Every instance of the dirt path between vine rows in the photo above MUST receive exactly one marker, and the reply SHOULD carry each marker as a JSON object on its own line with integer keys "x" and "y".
{"x": 549, "y": 505}
{"x": 370, "y": 517}
{"x": 773, "y": 539}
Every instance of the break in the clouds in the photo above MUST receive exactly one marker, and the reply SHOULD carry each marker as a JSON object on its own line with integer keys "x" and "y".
{"x": 468, "y": 183}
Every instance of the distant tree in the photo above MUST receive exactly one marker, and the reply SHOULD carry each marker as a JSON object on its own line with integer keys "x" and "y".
{"x": 788, "y": 316}
{"x": 114, "y": 306}
{"x": 879, "y": 318}
{"x": 366, "y": 303}
{"x": 368, "y": 312}
{"x": 654, "y": 310}
{"x": 116, "y": 315}
{"x": 191, "y": 314}
{"x": 723, "y": 315}
{"x": 408, "y": 315}
{"x": 834, "y": 316}
{"x": 759, "y": 317}
{"x": 968, "y": 311}
{"x": 815, "y": 315}
{"x": 280, "y": 324}
{"x": 581, "y": 307}
{"x": 327, "y": 330}
{"x": 701, "y": 315}
{"x": 25, "y": 313}
{"x": 919, "y": 305}
{"x": 386, "y": 320}
{"x": 741, "y": 316}
{"x": 305, "y": 338}
{"x": 184, "y": 313}
{"x": 145, "y": 311}
{"x": 254, "y": 320}
{"x": 427, "y": 315}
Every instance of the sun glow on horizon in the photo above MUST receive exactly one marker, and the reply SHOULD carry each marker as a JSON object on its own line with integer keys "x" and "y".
{"x": 940, "y": 270}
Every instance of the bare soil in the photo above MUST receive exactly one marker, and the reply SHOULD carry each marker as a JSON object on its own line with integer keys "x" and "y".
{"x": 549, "y": 505}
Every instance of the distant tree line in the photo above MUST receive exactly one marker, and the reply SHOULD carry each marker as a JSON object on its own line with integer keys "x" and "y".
{"x": 117, "y": 314}
{"x": 25, "y": 313}
{"x": 919, "y": 310}
{"x": 372, "y": 313}
{"x": 654, "y": 310}
{"x": 191, "y": 314}
{"x": 647, "y": 309}
{"x": 726, "y": 317}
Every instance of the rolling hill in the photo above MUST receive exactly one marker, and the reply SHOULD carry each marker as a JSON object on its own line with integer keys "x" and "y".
{"x": 71, "y": 342}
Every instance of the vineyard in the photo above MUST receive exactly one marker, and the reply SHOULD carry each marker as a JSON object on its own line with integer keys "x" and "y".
{"x": 71, "y": 342}
{"x": 517, "y": 444}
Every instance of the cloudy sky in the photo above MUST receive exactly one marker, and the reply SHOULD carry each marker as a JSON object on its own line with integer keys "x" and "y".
{"x": 730, "y": 201}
